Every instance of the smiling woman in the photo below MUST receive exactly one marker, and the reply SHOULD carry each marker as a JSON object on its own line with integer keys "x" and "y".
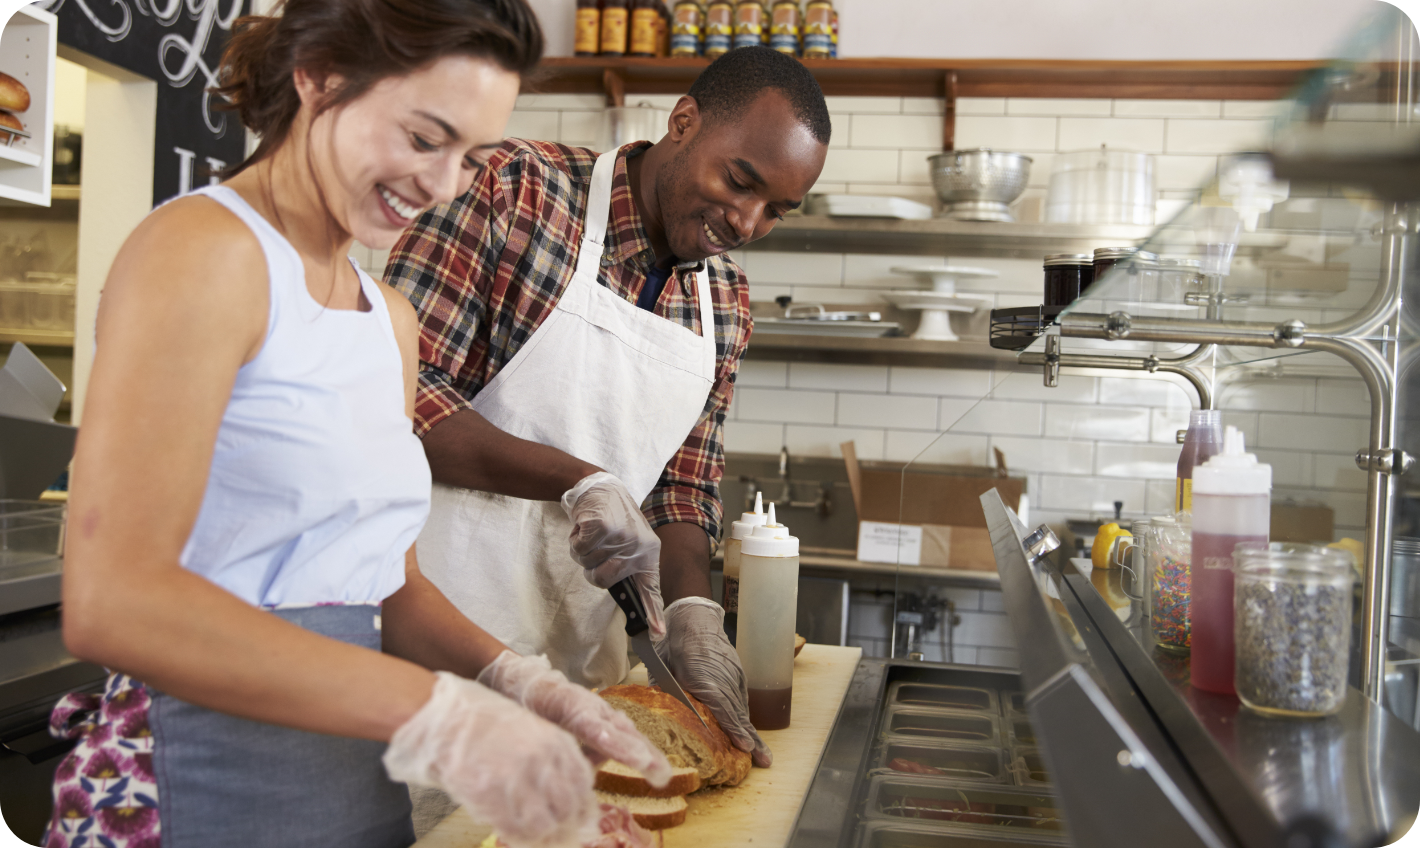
{"x": 248, "y": 487}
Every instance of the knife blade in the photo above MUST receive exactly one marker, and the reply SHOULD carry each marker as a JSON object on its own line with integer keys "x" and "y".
{"x": 639, "y": 632}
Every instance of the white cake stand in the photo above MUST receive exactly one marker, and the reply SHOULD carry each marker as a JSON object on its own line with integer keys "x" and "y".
{"x": 938, "y": 304}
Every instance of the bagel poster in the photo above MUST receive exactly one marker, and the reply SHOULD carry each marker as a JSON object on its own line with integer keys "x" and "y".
{"x": 178, "y": 44}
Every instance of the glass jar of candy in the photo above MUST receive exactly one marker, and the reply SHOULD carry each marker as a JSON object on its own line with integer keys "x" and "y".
{"x": 1167, "y": 553}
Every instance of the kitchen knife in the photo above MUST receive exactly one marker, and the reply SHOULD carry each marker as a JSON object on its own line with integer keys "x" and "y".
{"x": 638, "y": 629}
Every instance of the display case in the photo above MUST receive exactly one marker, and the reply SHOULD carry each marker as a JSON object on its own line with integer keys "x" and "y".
{"x": 1294, "y": 272}
{"x": 28, "y": 48}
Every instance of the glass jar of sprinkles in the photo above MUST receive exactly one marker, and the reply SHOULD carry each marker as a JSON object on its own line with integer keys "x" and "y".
{"x": 1067, "y": 275}
{"x": 1292, "y": 614}
{"x": 1168, "y": 553}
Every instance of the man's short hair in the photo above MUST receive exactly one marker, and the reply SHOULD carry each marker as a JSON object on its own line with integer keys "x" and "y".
{"x": 735, "y": 80}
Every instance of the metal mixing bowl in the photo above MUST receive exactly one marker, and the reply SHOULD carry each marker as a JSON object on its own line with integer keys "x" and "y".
{"x": 980, "y": 184}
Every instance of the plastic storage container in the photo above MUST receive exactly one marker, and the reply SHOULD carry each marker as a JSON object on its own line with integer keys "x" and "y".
{"x": 30, "y": 532}
{"x": 1101, "y": 186}
{"x": 942, "y": 697}
{"x": 883, "y": 834}
{"x": 1292, "y": 608}
{"x": 769, "y": 602}
{"x": 934, "y": 759}
{"x": 963, "y": 807}
{"x": 1231, "y": 505}
{"x": 948, "y": 727}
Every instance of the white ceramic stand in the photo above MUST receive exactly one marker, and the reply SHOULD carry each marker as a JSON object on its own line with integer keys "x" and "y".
{"x": 938, "y": 304}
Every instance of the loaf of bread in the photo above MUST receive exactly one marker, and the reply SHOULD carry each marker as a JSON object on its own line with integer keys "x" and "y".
{"x": 684, "y": 740}
{"x": 650, "y": 813}
{"x": 617, "y": 779}
{"x": 13, "y": 94}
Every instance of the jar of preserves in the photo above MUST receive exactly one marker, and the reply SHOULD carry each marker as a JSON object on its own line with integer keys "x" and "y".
{"x": 784, "y": 23}
{"x": 686, "y": 26}
{"x": 719, "y": 28}
{"x": 1067, "y": 275}
{"x": 587, "y": 41}
{"x": 749, "y": 23}
{"x": 615, "y": 20}
{"x": 818, "y": 29}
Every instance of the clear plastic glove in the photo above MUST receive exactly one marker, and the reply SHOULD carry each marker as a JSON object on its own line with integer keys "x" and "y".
{"x": 612, "y": 540}
{"x": 699, "y": 654}
{"x": 523, "y": 775}
{"x": 605, "y": 731}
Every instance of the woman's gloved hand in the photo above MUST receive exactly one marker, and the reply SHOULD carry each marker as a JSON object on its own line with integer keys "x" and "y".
{"x": 699, "y": 654}
{"x": 605, "y": 731}
{"x": 612, "y": 540}
{"x": 518, "y": 772}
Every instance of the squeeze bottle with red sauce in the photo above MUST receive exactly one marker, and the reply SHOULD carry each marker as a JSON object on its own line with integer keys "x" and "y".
{"x": 1232, "y": 503}
{"x": 1204, "y": 439}
{"x": 769, "y": 603}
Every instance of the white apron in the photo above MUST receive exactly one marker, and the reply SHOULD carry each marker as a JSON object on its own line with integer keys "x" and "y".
{"x": 608, "y": 383}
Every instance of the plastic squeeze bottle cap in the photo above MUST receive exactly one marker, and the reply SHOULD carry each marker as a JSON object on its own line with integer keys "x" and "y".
{"x": 1233, "y": 471}
{"x": 770, "y": 540}
{"x": 750, "y": 520}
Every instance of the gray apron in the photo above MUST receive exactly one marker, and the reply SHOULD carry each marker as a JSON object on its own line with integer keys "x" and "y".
{"x": 226, "y": 781}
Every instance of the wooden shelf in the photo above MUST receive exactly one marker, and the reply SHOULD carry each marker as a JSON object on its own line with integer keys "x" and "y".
{"x": 51, "y": 338}
{"x": 940, "y": 237}
{"x": 1172, "y": 80}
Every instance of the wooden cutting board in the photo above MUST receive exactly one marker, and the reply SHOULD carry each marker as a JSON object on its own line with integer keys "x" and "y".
{"x": 762, "y": 810}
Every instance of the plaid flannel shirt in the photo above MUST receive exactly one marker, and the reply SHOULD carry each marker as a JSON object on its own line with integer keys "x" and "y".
{"x": 484, "y": 271}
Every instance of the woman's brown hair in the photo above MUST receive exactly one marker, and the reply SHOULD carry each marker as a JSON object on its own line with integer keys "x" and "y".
{"x": 362, "y": 42}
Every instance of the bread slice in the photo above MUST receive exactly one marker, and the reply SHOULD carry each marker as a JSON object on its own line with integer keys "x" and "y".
{"x": 618, "y": 779}
{"x": 650, "y": 813}
{"x": 684, "y": 740}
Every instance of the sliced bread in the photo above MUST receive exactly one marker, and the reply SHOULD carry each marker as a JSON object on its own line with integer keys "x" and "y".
{"x": 650, "y": 813}
{"x": 618, "y": 779}
{"x": 684, "y": 740}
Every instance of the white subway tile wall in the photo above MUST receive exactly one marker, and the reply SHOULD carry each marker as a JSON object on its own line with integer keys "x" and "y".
{"x": 1083, "y": 445}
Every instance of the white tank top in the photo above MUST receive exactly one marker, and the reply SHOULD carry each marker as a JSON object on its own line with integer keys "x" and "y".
{"x": 318, "y": 484}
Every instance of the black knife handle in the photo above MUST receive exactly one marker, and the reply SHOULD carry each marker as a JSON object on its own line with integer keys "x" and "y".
{"x": 626, "y": 597}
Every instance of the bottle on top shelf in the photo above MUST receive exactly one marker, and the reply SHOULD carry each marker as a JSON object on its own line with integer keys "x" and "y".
{"x": 719, "y": 28}
{"x": 1232, "y": 504}
{"x": 644, "y": 19}
{"x": 750, "y": 19}
{"x": 785, "y": 21}
{"x": 663, "y": 29}
{"x": 818, "y": 29}
{"x": 687, "y": 26}
{"x": 588, "y": 36}
{"x": 615, "y": 24}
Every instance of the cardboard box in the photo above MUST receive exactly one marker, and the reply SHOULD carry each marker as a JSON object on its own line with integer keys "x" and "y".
{"x": 928, "y": 515}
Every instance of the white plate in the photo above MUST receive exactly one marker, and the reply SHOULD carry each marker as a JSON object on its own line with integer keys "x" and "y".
{"x": 799, "y": 327}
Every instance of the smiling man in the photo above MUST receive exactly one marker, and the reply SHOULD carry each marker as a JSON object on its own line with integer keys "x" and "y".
{"x": 581, "y": 330}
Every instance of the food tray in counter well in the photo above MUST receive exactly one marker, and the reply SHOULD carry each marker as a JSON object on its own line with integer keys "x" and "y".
{"x": 1013, "y": 704}
{"x": 881, "y": 834}
{"x": 938, "y": 760}
{"x": 1027, "y": 767}
{"x": 943, "y": 726}
{"x": 939, "y": 696}
{"x": 30, "y": 532}
{"x": 1021, "y": 732}
{"x": 964, "y": 807}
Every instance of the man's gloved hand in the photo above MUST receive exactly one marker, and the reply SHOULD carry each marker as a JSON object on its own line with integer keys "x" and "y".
{"x": 605, "y": 731}
{"x": 518, "y": 772}
{"x": 699, "y": 654}
{"x": 612, "y": 540}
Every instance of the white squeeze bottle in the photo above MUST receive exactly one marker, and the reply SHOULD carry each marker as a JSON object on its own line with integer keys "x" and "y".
{"x": 738, "y": 531}
{"x": 769, "y": 601}
{"x": 1232, "y": 503}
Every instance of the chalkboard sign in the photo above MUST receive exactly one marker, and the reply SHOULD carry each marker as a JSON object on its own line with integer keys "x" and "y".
{"x": 179, "y": 44}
